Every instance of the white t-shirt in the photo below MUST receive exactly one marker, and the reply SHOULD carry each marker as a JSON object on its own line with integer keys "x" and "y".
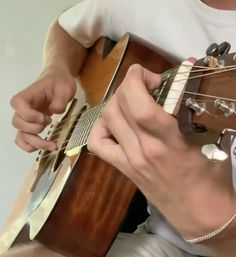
{"x": 180, "y": 28}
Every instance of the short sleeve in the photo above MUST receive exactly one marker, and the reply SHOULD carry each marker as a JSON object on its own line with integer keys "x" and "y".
{"x": 86, "y": 21}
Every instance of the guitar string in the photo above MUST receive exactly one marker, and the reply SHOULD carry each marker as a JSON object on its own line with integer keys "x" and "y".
{"x": 81, "y": 145}
{"x": 232, "y": 67}
{"x": 211, "y": 96}
{"x": 59, "y": 129}
{"x": 84, "y": 144}
{"x": 210, "y": 73}
{"x": 71, "y": 117}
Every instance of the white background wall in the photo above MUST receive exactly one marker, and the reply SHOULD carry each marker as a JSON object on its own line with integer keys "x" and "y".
{"x": 23, "y": 25}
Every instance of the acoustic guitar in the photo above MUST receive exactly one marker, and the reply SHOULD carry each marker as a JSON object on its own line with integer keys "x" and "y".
{"x": 78, "y": 202}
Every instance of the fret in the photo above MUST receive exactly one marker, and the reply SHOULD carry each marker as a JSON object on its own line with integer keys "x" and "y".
{"x": 84, "y": 125}
{"x": 82, "y": 129}
{"x": 161, "y": 92}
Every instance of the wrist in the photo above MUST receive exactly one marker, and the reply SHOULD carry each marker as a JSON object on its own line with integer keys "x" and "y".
{"x": 70, "y": 60}
{"x": 57, "y": 75}
{"x": 212, "y": 234}
{"x": 57, "y": 66}
{"x": 214, "y": 216}
{"x": 57, "y": 70}
{"x": 224, "y": 243}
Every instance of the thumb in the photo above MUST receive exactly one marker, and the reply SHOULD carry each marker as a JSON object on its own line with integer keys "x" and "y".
{"x": 59, "y": 101}
{"x": 149, "y": 78}
{"x": 152, "y": 80}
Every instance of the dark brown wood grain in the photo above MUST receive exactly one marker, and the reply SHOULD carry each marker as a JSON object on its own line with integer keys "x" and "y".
{"x": 221, "y": 85}
{"x": 89, "y": 211}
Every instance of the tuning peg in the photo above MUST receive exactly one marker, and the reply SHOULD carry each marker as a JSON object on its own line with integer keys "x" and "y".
{"x": 218, "y": 50}
{"x": 227, "y": 108}
{"x": 223, "y": 48}
{"x": 215, "y": 151}
{"x": 198, "y": 108}
{"x": 212, "y": 50}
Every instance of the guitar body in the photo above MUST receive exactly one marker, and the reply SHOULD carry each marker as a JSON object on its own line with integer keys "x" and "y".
{"x": 87, "y": 201}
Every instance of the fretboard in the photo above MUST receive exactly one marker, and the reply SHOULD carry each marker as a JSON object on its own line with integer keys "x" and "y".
{"x": 84, "y": 124}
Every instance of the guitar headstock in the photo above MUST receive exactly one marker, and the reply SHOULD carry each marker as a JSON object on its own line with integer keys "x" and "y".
{"x": 209, "y": 101}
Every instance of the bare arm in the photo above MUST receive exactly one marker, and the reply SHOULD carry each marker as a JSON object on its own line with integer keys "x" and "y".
{"x": 61, "y": 50}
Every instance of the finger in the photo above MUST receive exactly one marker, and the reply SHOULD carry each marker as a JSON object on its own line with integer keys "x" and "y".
{"x": 101, "y": 144}
{"x": 37, "y": 142}
{"x": 141, "y": 111}
{"x": 150, "y": 79}
{"x": 25, "y": 111}
{"x": 119, "y": 127}
{"x": 192, "y": 59}
{"x": 24, "y": 126}
{"x": 61, "y": 98}
{"x": 23, "y": 145}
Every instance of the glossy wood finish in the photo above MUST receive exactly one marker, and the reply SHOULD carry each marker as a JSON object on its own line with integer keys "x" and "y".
{"x": 220, "y": 86}
{"x": 89, "y": 211}
{"x": 95, "y": 199}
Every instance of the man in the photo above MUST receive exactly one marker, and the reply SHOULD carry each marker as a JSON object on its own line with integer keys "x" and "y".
{"x": 196, "y": 197}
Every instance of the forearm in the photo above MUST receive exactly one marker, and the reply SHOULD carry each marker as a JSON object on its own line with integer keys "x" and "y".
{"x": 61, "y": 50}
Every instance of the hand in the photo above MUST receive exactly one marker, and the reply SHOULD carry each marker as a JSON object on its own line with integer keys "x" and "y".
{"x": 140, "y": 139}
{"x": 48, "y": 95}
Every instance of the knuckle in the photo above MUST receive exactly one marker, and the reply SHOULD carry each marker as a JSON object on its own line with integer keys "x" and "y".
{"x": 92, "y": 147}
{"x": 135, "y": 68}
{"x": 138, "y": 164}
{"x": 145, "y": 115}
{"x": 58, "y": 107}
{"x": 28, "y": 148}
{"x": 14, "y": 122}
{"x": 23, "y": 145}
{"x": 38, "y": 143}
{"x": 41, "y": 145}
{"x": 89, "y": 144}
{"x": 92, "y": 144}
{"x": 133, "y": 73}
{"x": 108, "y": 112}
{"x": 168, "y": 124}
{"x": 37, "y": 128}
{"x": 28, "y": 117}
{"x": 151, "y": 153}
{"x": 164, "y": 122}
{"x": 14, "y": 100}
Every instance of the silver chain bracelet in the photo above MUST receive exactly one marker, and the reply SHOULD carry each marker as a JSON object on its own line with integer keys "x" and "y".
{"x": 210, "y": 235}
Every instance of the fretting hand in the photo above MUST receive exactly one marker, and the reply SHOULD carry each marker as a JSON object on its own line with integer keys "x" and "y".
{"x": 140, "y": 139}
